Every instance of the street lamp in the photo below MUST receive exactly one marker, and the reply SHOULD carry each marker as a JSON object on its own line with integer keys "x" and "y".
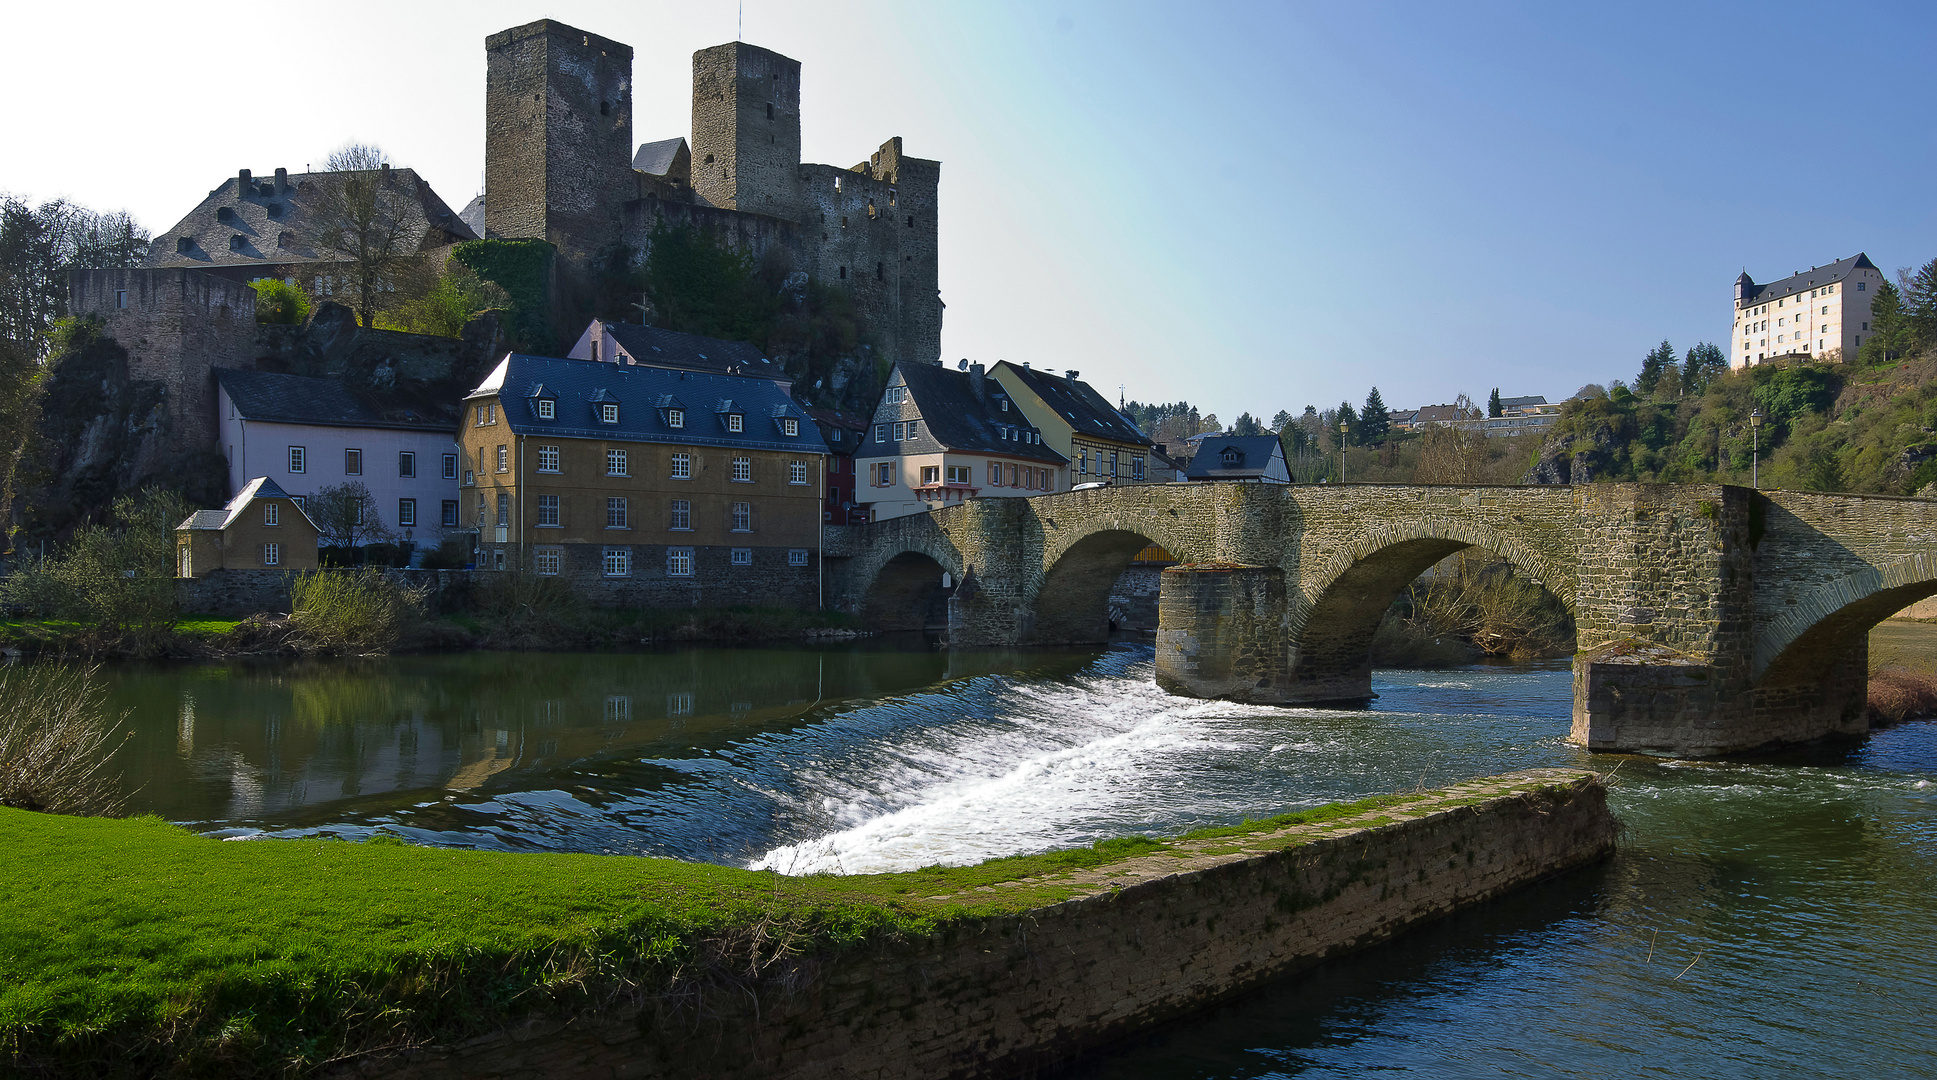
{"x": 1344, "y": 427}
{"x": 1755, "y": 455}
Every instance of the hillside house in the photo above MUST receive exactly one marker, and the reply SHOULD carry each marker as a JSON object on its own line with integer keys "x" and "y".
{"x": 262, "y": 528}
{"x": 1081, "y": 424}
{"x": 1257, "y": 458}
{"x": 940, "y": 437}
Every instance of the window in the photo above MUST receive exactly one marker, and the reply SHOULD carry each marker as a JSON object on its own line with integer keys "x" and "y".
{"x": 548, "y": 410}
{"x": 272, "y": 554}
{"x": 406, "y": 464}
{"x": 796, "y": 556}
{"x": 931, "y": 474}
{"x": 676, "y": 418}
{"x": 296, "y": 456}
{"x": 790, "y": 426}
{"x": 504, "y": 509}
{"x": 1862, "y": 286}
{"x": 615, "y": 516}
{"x": 481, "y": 510}
{"x": 546, "y": 561}
{"x": 797, "y": 472}
{"x": 548, "y": 511}
{"x": 880, "y": 433}
{"x": 1012, "y": 476}
{"x": 743, "y": 556}
{"x": 470, "y": 478}
{"x": 615, "y": 463}
{"x": 679, "y": 562}
{"x": 618, "y": 561}
{"x": 1083, "y": 462}
{"x": 487, "y": 414}
{"x": 742, "y": 514}
{"x": 958, "y": 474}
{"x": 1136, "y": 468}
{"x": 901, "y": 431}
{"x": 682, "y": 466}
{"x": 884, "y": 474}
{"x": 450, "y": 513}
{"x": 450, "y": 466}
{"x": 682, "y": 516}
{"x": 735, "y": 422}
{"x": 504, "y": 458}
{"x": 609, "y": 413}
{"x": 743, "y": 470}
{"x": 995, "y": 474}
{"x": 271, "y": 513}
{"x": 914, "y": 429}
{"x": 407, "y": 513}
{"x": 120, "y": 298}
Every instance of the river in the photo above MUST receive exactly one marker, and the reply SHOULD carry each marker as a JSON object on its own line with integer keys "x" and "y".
{"x": 1769, "y": 916}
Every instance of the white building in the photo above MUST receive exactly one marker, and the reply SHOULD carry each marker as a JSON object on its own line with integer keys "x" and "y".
{"x": 942, "y": 436}
{"x": 1822, "y": 313}
{"x": 306, "y": 434}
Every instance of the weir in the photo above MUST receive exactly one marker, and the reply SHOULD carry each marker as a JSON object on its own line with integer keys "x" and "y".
{"x": 1710, "y": 618}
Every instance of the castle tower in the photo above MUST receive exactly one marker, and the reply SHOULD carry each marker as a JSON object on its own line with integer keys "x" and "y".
{"x": 746, "y": 129}
{"x": 558, "y": 136}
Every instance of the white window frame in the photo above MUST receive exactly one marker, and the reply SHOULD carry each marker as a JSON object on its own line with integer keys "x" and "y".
{"x": 272, "y": 554}
{"x": 679, "y": 562}
{"x": 796, "y": 556}
{"x": 617, "y": 513}
{"x": 740, "y": 514}
{"x": 742, "y": 557}
{"x": 616, "y": 562}
{"x": 789, "y": 426}
{"x": 680, "y": 516}
{"x": 547, "y": 458}
{"x": 407, "y": 464}
{"x": 298, "y": 459}
{"x": 675, "y": 418}
{"x": 743, "y": 470}
{"x": 616, "y": 463}
{"x": 682, "y": 466}
{"x": 271, "y": 513}
{"x": 407, "y": 513}
{"x": 608, "y": 412}
{"x": 547, "y": 411}
{"x": 450, "y": 466}
{"x": 735, "y": 422}
{"x": 504, "y": 457}
{"x": 546, "y": 562}
{"x": 797, "y": 472}
{"x": 548, "y": 508}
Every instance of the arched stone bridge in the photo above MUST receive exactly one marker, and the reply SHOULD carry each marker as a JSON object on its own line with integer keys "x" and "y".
{"x": 1711, "y": 618}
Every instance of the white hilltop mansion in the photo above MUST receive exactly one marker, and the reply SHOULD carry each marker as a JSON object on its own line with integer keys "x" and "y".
{"x": 1822, "y": 313}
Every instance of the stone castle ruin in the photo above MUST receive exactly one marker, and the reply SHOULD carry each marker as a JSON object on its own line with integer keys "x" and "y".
{"x": 561, "y": 165}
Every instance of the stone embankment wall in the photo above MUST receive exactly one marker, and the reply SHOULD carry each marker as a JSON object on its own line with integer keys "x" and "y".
{"x": 239, "y": 593}
{"x": 1147, "y": 939}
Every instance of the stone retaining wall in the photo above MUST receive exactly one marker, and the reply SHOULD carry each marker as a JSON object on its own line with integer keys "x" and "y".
{"x": 1148, "y": 939}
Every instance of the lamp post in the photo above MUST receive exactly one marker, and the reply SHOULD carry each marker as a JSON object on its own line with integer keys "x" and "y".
{"x": 1755, "y": 454}
{"x": 1344, "y": 427}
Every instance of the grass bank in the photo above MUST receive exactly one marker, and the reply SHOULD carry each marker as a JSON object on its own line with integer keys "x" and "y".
{"x": 133, "y": 947}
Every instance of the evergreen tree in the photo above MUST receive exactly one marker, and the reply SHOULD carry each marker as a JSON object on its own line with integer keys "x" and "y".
{"x": 1373, "y": 423}
{"x": 1706, "y": 362}
{"x": 1350, "y": 419}
{"x": 1660, "y": 359}
{"x": 1281, "y": 421}
{"x": 1920, "y": 307}
{"x": 1493, "y": 409}
{"x": 1889, "y": 336}
{"x": 1246, "y": 424}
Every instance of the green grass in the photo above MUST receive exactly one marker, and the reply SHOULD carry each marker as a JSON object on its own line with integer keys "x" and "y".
{"x": 204, "y": 626}
{"x": 139, "y": 942}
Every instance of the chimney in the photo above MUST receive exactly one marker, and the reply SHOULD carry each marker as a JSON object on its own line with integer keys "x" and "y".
{"x": 978, "y": 382}
{"x": 1071, "y": 374}
{"x": 282, "y": 181}
{"x": 386, "y": 173}
{"x": 244, "y": 184}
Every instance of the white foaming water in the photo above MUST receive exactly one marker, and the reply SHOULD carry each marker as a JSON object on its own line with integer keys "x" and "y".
{"x": 1066, "y": 764}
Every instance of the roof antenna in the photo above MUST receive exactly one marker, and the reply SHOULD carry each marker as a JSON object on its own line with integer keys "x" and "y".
{"x": 740, "y": 32}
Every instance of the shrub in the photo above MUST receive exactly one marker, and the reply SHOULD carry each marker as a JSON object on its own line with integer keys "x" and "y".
{"x": 522, "y": 610}
{"x": 349, "y": 611}
{"x": 55, "y": 741}
{"x": 280, "y": 303}
{"x": 119, "y": 580}
{"x": 1898, "y": 694}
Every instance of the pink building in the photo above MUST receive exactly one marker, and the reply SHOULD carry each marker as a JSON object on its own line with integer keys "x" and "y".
{"x": 307, "y": 434}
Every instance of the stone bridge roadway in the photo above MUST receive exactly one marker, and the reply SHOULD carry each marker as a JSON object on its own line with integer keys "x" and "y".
{"x": 1711, "y": 618}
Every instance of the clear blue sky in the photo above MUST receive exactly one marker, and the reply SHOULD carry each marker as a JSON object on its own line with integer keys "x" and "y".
{"x": 1249, "y": 206}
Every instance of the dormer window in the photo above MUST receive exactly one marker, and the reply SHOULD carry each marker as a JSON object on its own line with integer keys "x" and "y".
{"x": 224, "y": 213}
{"x": 735, "y": 422}
{"x": 548, "y": 410}
{"x": 1005, "y": 404}
{"x": 790, "y": 426}
{"x": 1230, "y": 456}
{"x": 609, "y": 412}
{"x": 675, "y": 418}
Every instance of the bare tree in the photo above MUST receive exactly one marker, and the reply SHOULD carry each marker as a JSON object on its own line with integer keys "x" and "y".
{"x": 1453, "y": 453}
{"x": 346, "y": 514}
{"x": 38, "y": 245}
{"x": 362, "y": 215}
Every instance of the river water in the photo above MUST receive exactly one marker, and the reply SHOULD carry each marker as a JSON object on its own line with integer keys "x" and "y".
{"x": 1770, "y": 916}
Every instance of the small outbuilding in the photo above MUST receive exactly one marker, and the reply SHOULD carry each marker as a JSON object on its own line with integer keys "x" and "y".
{"x": 262, "y": 528}
{"x": 1258, "y": 458}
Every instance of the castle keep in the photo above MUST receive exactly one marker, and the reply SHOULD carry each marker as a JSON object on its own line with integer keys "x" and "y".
{"x": 561, "y": 165}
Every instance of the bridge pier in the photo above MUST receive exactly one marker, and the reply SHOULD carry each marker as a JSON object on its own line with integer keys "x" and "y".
{"x": 1222, "y": 632}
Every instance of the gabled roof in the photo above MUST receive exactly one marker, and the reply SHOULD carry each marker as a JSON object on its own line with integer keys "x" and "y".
{"x": 1523, "y": 402}
{"x": 1078, "y": 404}
{"x": 1816, "y": 278}
{"x": 961, "y": 419}
{"x": 644, "y": 396}
{"x": 260, "y": 488}
{"x": 299, "y": 399}
{"x": 657, "y": 158}
{"x": 473, "y": 215}
{"x": 1252, "y": 453}
{"x": 426, "y": 222}
{"x": 669, "y": 348}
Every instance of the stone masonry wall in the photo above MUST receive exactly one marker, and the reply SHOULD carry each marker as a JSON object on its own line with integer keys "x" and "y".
{"x": 1149, "y": 939}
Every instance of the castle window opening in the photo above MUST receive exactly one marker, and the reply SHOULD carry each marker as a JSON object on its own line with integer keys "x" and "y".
{"x": 283, "y": 240}
{"x": 605, "y": 108}
{"x": 843, "y": 221}
{"x": 770, "y": 110}
{"x": 120, "y": 298}
{"x": 844, "y": 269}
{"x": 275, "y": 210}
{"x": 891, "y": 196}
{"x": 238, "y": 242}
{"x": 183, "y": 244}
{"x": 911, "y": 221}
{"x": 880, "y": 272}
{"x": 224, "y": 213}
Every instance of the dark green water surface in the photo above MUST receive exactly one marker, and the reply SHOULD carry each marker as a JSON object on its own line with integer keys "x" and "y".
{"x": 1773, "y": 916}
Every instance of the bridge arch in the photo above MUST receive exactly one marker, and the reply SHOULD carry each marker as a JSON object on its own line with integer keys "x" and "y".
{"x": 1348, "y": 593}
{"x": 898, "y": 582}
{"x": 1812, "y": 635}
{"x": 1083, "y": 559}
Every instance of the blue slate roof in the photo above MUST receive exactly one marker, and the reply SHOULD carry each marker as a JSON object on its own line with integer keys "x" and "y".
{"x": 1250, "y": 456}
{"x": 579, "y": 388}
